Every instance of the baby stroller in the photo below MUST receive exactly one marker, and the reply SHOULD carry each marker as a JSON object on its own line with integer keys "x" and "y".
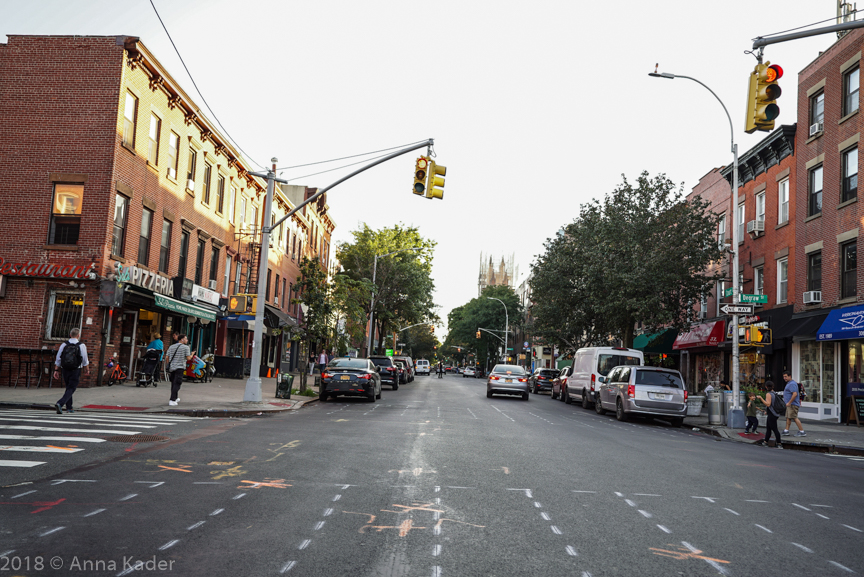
{"x": 195, "y": 369}
{"x": 148, "y": 368}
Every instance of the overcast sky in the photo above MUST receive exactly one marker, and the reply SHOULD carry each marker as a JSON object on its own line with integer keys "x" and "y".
{"x": 535, "y": 107}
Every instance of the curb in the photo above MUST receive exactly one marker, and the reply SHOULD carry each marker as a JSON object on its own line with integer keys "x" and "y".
{"x": 788, "y": 444}
{"x": 191, "y": 412}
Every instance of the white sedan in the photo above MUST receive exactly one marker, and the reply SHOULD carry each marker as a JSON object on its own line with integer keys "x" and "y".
{"x": 467, "y": 372}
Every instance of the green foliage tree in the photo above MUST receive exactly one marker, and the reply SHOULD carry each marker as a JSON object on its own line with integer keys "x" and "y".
{"x": 481, "y": 312}
{"x": 640, "y": 254}
{"x": 421, "y": 341}
{"x": 314, "y": 291}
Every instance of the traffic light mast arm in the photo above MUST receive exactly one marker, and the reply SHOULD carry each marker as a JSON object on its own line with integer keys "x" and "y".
{"x": 762, "y": 42}
{"x": 492, "y": 333}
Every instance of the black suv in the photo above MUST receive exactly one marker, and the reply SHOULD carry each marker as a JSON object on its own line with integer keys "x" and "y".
{"x": 541, "y": 380}
{"x": 388, "y": 370}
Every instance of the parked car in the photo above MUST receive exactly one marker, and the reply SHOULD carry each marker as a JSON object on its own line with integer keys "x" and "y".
{"x": 409, "y": 365}
{"x": 422, "y": 367}
{"x": 541, "y": 380}
{"x": 351, "y": 378}
{"x": 645, "y": 391}
{"x": 591, "y": 363}
{"x": 559, "y": 381}
{"x": 403, "y": 371}
{"x": 507, "y": 380}
{"x": 468, "y": 372}
{"x": 388, "y": 371}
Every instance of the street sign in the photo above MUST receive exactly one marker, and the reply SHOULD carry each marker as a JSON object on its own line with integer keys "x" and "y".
{"x": 745, "y": 309}
{"x": 757, "y": 299}
{"x": 727, "y": 292}
{"x": 389, "y": 352}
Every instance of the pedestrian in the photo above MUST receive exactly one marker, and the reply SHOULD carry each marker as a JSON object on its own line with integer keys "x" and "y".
{"x": 791, "y": 398}
{"x": 330, "y": 356}
{"x": 311, "y": 363}
{"x": 158, "y": 345}
{"x": 177, "y": 354}
{"x": 70, "y": 363}
{"x": 773, "y": 416}
{"x": 752, "y": 408}
{"x": 724, "y": 386}
{"x": 709, "y": 388}
{"x": 322, "y": 360}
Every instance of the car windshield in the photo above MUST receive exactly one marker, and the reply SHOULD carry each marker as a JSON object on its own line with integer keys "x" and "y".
{"x": 382, "y": 362}
{"x": 547, "y": 373}
{"x": 659, "y": 379}
{"x": 509, "y": 369}
{"x": 606, "y": 363}
{"x": 348, "y": 364}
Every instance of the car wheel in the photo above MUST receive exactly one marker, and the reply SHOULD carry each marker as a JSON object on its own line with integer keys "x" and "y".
{"x": 378, "y": 396}
{"x": 488, "y": 394}
{"x": 567, "y": 398}
{"x": 619, "y": 412}
{"x": 371, "y": 398}
{"x": 525, "y": 396}
{"x": 677, "y": 422}
{"x": 395, "y": 387}
{"x": 552, "y": 395}
{"x": 586, "y": 404}
{"x": 598, "y": 408}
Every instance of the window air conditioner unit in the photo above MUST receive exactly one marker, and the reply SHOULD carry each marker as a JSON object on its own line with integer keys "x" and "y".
{"x": 276, "y": 301}
{"x": 190, "y": 185}
{"x": 816, "y": 128}
{"x": 701, "y": 315}
{"x": 212, "y": 285}
{"x": 756, "y": 227}
{"x": 172, "y": 173}
{"x": 812, "y": 297}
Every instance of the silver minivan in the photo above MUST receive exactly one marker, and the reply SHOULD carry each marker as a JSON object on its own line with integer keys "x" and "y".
{"x": 644, "y": 391}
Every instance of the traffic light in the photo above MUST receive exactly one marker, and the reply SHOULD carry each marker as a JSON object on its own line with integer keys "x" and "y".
{"x": 762, "y": 93}
{"x": 242, "y": 304}
{"x": 436, "y": 178}
{"x": 420, "y": 169}
{"x": 755, "y": 336}
{"x": 478, "y": 333}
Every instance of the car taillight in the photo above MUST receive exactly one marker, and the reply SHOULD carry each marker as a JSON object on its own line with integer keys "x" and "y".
{"x": 326, "y": 375}
{"x": 593, "y": 378}
{"x": 685, "y": 395}
{"x": 523, "y": 380}
{"x": 493, "y": 378}
{"x": 365, "y": 377}
{"x": 391, "y": 369}
{"x": 631, "y": 391}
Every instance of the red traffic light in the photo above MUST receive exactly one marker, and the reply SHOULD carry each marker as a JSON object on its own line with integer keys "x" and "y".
{"x": 774, "y": 73}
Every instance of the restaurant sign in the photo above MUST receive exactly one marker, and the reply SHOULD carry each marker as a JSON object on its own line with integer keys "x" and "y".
{"x": 201, "y": 294}
{"x": 143, "y": 278}
{"x": 46, "y": 270}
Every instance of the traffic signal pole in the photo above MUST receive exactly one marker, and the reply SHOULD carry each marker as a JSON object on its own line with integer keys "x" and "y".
{"x": 253, "y": 384}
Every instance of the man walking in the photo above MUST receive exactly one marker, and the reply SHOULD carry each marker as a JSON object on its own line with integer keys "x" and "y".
{"x": 71, "y": 358}
{"x": 793, "y": 402}
{"x": 322, "y": 360}
{"x": 177, "y": 355}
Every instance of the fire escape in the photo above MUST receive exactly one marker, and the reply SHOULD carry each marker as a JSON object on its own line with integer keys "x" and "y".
{"x": 249, "y": 248}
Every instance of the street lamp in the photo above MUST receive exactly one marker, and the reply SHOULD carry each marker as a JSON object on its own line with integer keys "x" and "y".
{"x": 372, "y": 299}
{"x": 506, "y": 323}
{"x": 736, "y": 419}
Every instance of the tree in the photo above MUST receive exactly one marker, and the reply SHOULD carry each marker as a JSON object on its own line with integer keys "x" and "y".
{"x": 314, "y": 292}
{"x": 421, "y": 341}
{"x": 639, "y": 255}
{"x": 481, "y": 312}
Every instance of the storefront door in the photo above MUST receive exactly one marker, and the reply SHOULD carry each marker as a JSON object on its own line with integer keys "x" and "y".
{"x": 128, "y": 335}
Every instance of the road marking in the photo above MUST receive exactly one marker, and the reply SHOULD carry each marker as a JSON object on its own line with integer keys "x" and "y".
{"x": 617, "y": 494}
{"x": 545, "y": 516}
{"x": 169, "y": 544}
{"x": 847, "y": 569}
{"x": 22, "y": 494}
{"x": 437, "y": 489}
{"x": 328, "y": 512}
{"x": 436, "y": 571}
{"x": 801, "y": 507}
{"x": 239, "y": 496}
{"x": 96, "y": 512}
{"x": 584, "y": 491}
{"x": 39, "y": 438}
{"x": 715, "y": 563}
{"x": 733, "y": 512}
{"x": 61, "y": 481}
{"x": 802, "y": 547}
{"x": 216, "y": 512}
{"x": 472, "y": 413}
{"x": 709, "y": 499}
{"x": 31, "y": 449}
{"x": 555, "y": 530}
{"x": 287, "y": 566}
{"x": 54, "y": 530}
{"x": 304, "y": 544}
{"x": 629, "y": 502}
{"x": 65, "y": 430}
{"x": 664, "y": 529}
{"x": 853, "y": 528}
{"x": 646, "y": 514}
{"x": 571, "y": 551}
{"x": 527, "y": 492}
{"x": 765, "y": 529}
{"x": 821, "y": 515}
{"x": 337, "y": 497}
{"x": 129, "y": 496}
{"x": 756, "y": 501}
{"x": 436, "y": 550}
{"x": 154, "y": 484}
{"x": 318, "y": 525}
{"x": 826, "y": 506}
{"x": 536, "y": 503}
{"x": 7, "y": 553}
{"x": 195, "y": 526}
{"x": 454, "y": 487}
{"x": 70, "y": 421}
{"x": 646, "y": 495}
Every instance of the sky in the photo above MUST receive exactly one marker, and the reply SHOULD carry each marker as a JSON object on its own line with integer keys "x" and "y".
{"x": 535, "y": 107}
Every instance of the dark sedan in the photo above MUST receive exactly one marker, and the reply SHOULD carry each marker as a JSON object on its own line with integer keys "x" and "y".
{"x": 387, "y": 370}
{"x": 541, "y": 380}
{"x": 351, "y": 378}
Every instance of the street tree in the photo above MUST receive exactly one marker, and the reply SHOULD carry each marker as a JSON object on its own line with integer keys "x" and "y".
{"x": 483, "y": 313}
{"x": 313, "y": 291}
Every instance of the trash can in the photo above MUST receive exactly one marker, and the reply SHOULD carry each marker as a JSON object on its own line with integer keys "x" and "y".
{"x": 283, "y": 385}
{"x": 714, "y": 408}
{"x": 694, "y": 406}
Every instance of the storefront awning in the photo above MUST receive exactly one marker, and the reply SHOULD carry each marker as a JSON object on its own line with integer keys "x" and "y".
{"x": 657, "y": 343}
{"x": 274, "y": 318}
{"x": 187, "y": 309}
{"x": 845, "y": 323}
{"x": 702, "y": 335}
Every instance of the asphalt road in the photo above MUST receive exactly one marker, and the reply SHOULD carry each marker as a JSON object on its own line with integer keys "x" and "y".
{"x": 434, "y": 479}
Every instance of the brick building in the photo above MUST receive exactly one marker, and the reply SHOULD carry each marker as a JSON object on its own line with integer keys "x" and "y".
{"x": 123, "y": 182}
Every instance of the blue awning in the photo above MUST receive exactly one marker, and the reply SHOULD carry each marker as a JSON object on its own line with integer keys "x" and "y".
{"x": 846, "y": 323}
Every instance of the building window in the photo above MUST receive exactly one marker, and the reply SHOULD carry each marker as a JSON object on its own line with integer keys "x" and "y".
{"x": 276, "y": 289}
{"x": 220, "y": 194}
{"x": 850, "y": 175}
{"x": 144, "y": 239}
{"x": 214, "y": 264}
{"x": 173, "y": 144}
{"x": 760, "y": 206}
{"x": 817, "y": 109}
{"x": 288, "y": 297}
{"x": 130, "y": 115}
{"x": 227, "y": 278}
{"x": 284, "y": 296}
{"x": 165, "y": 246}
{"x": 741, "y": 214}
{"x": 193, "y": 164}
{"x": 850, "y": 91}
{"x": 267, "y": 288}
{"x": 254, "y": 219}
{"x": 66, "y": 214}
{"x": 239, "y": 270}
{"x": 184, "y": 254}
{"x": 782, "y": 279}
{"x": 231, "y": 200}
{"x": 242, "y": 210}
{"x": 849, "y": 270}
{"x": 65, "y": 312}
{"x": 758, "y": 281}
{"x": 783, "y": 199}
{"x": 155, "y": 130}
{"x": 815, "y": 204}
{"x": 814, "y": 271}
{"x": 721, "y": 292}
{"x": 703, "y": 306}
{"x": 199, "y": 262}
{"x": 118, "y": 237}
{"x": 208, "y": 173}
{"x": 294, "y": 246}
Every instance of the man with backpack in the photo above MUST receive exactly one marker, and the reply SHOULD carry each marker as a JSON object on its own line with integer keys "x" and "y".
{"x": 792, "y": 399}
{"x": 71, "y": 358}
{"x": 774, "y": 408}
{"x": 177, "y": 355}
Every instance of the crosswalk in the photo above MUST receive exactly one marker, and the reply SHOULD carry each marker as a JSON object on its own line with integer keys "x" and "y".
{"x": 63, "y": 433}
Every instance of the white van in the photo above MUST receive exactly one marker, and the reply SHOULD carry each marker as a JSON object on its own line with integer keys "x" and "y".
{"x": 591, "y": 363}
{"x": 422, "y": 367}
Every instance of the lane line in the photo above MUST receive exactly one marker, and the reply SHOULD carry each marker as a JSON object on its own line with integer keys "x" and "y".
{"x": 571, "y": 551}
{"x": 801, "y": 507}
{"x": 287, "y": 566}
{"x": 646, "y": 514}
{"x": 664, "y": 529}
{"x": 195, "y": 526}
{"x": 337, "y": 497}
{"x": 545, "y": 516}
{"x": 129, "y": 496}
{"x": 169, "y": 544}
{"x": 646, "y": 495}
{"x": 318, "y": 525}
{"x": 537, "y": 504}
{"x": 711, "y": 562}
{"x": 436, "y": 571}
{"x": 328, "y": 512}
{"x": 436, "y": 550}
{"x": 555, "y": 530}
{"x": 238, "y": 496}
{"x": 629, "y": 502}
{"x": 216, "y": 512}
{"x": 22, "y": 494}
{"x": 802, "y": 547}
{"x": 853, "y": 528}
{"x": 304, "y": 544}
{"x": 51, "y": 531}
{"x": 733, "y": 512}
{"x": 96, "y": 512}
{"x": 836, "y": 564}
{"x": 821, "y": 515}
{"x": 766, "y": 529}
{"x": 584, "y": 491}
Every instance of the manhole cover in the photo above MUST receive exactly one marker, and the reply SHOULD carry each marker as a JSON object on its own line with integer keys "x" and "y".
{"x": 137, "y": 438}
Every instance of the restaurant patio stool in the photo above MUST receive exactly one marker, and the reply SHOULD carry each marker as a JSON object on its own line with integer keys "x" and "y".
{"x": 26, "y": 364}
{"x": 46, "y": 366}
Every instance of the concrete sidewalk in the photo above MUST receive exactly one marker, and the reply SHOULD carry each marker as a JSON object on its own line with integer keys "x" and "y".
{"x": 821, "y": 436}
{"x": 221, "y": 397}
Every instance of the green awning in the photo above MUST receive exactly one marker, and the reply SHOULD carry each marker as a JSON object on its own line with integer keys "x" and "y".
{"x": 656, "y": 343}
{"x": 184, "y": 308}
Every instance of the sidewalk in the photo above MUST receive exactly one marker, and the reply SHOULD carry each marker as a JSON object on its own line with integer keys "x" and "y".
{"x": 221, "y": 397}
{"x": 821, "y": 437}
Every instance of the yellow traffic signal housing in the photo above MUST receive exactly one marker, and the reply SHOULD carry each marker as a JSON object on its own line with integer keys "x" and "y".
{"x": 762, "y": 94}
{"x": 420, "y": 171}
{"x": 478, "y": 333}
{"x": 243, "y": 304}
{"x": 756, "y": 336}
{"x": 436, "y": 179}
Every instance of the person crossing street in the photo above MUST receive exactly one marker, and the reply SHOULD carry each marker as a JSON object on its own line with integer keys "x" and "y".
{"x": 70, "y": 363}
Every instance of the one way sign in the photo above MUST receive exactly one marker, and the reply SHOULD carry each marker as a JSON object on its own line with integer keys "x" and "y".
{"x": 737, "y": 309}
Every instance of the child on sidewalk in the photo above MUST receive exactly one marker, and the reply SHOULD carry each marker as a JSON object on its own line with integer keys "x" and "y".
{"x": 752, "y": 421}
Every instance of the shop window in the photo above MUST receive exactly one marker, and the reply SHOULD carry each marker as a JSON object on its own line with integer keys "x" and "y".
{"x": 144, "y": 239}
{"x": 153, "y": 149}
{"x": 814, "y": 271}
{"x": 66, "y": 214}
{"x": 850, "y": 175}
{"x": 118, "y": 236}
{"x": 214, "y": 264}
{"x": 165, "y": 246}
{"x": 849, "y": 270}
{"x": 817, "y": 371}
{"x": 227, "y": 278}
{"x": 856, "y": 361}
{"x": 814, "y": 205}
{"x": 220, "y": 194}
{"x": 199, "y": 262}
{"x": 850, "y": 91}
{"x": 208, "y": 175}
{"x": 65, "y": 312}
{"x": 184, "y": 254}
{"x": 130, "y": 115}
{"x": 173, "y": 145}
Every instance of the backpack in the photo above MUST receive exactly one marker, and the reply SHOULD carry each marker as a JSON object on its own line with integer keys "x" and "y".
{"x": 802, "y": 394}
{"x": 778, "y": 407}
{"x": 71, "y": 357}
